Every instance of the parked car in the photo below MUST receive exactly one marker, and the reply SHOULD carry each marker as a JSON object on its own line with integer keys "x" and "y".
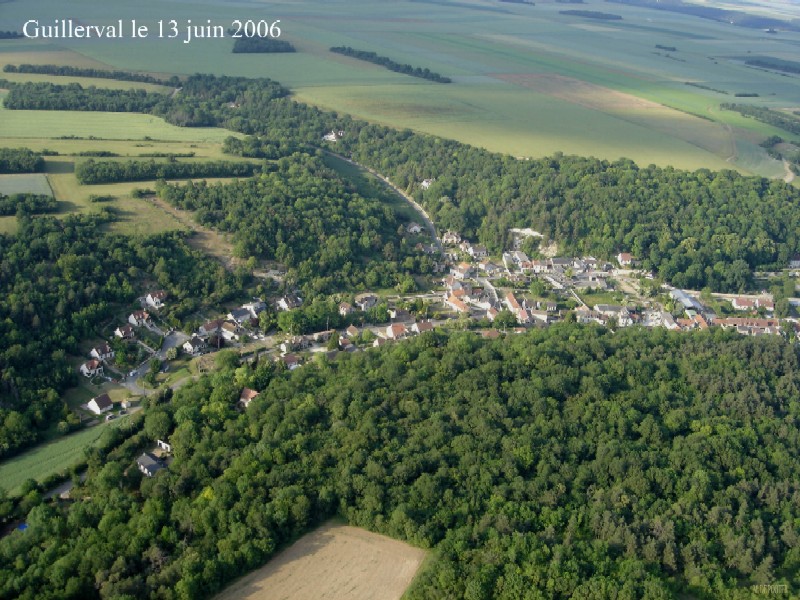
{"x": 109, "y": 417}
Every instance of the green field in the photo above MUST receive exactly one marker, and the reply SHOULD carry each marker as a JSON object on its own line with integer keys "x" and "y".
{"x": 518, "y": 72}
{"x": 28, "y": 183}
{"x": 50, "y": 458}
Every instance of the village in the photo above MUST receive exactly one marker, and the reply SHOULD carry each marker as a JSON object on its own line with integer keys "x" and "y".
{"x": 472, "y": 291}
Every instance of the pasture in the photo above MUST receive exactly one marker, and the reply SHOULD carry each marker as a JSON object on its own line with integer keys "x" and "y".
{"x": 527, "y": 80}
{"x": 336, "y": 562}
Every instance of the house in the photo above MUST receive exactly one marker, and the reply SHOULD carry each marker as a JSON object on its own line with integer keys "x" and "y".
{"x": 100, "y": 404}
{"x": 625, "y": 259}
{"x": 366, "y": 301}
{"x": 125, "y": 332}
{"x": 352, "y": 331}
{"x": 230, "y": 331}
{"x": 549, "y": 306}
{"x": 239, "y": 315}
{"x": 102, "y": 352}
{"x": 195, "y": 345}
{"x": 138, "y": 318}
{"x": 744, "y": 304}
{"x": 164, "y": 445}
{"x": 91, "y": 368}
{"x": 211, "y": 328}
{"x": 539, "y": 315}
{"x": 422, "y": 327}
{"x": 398, "y": 314}
{"x": 668, "y": 321}
{"x": 246, "y": 397}
{"x": 478, "y": 251}
{"x": 149, "y": 464}
{"x": 457, "y": 305}
{"x": 296, "y": 342}
{"x": 491, "y": 313}
{"x": 333, "y": 136}
{"x": 451, "y": 238}
{"x": 379, "y": 342}
{"x": 414, "y": 228}
{"x": 255, "y": 308}
{"x": 461, "y": 271}
{"x": 490, "y": 334}
{"x": 292, "y": 361}
{"x": 289, "y": 302}
{"x": 426, "y": 183}
{"x": 488, "y": 267}
{"x": 345, "y": 308}
{"x": 396, "y": 331}
{"x": 794, "y": 263}
{"x": 324, "y": 336}
{"x": 156, "y": 299}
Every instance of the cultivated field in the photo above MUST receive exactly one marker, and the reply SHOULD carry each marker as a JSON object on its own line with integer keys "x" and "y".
{"x": 527, "y": 80}
{"x": 33, "y": 183}
{"x": 335, "y": 562}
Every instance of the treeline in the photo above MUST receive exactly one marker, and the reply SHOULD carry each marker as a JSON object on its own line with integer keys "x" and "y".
{"x": 10, "y": 35}
{"x": 390, "y": 64}
{"x": 591, "y": 14}
{"x": 73, "y": 96}
{"x": 31, "y": 204}
{"x": 303, "y": 216}
{"x": 261, "y": 46}
{"x": 766, "y": 115}
{"x": 564, "y": 463}
{"x": 20, "y": 160}
{"x": 259, "y": 147}
{"x": 67, "y": 71}
{"x": 776, "y": 64}
{"x": 112, "y": 171}
{"x": 60, "y": 280}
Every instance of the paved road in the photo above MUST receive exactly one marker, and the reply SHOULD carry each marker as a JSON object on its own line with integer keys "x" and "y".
{"x": 175, "y": 339}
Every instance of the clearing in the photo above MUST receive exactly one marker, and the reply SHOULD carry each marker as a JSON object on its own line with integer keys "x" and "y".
{"x": 26, "y": 183}
{"x": 333, "y": 562}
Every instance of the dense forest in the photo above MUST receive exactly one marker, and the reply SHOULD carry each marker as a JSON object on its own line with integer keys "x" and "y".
{"x": 390, "y": 64}
{"x": 261, "y": 46}
{"x": 67, "y": 71}
{"x": 259, "y": 147}
{"x": 565, "y": 463}
{"x": 20, "y": 160}
{"x": 111, "y": 171}
{"x": 60, "y": 280}
{"x": 31, "y": 204}
{"x": 587, "y": 205}
{"x": 776, "y": 64}
{"x": 302, "y": 215}
{"x": 73, "y": 96}
{"x": 775, "y": 118}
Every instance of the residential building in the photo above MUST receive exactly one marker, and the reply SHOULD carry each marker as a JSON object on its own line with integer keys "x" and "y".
{"x": 100, "y": 404}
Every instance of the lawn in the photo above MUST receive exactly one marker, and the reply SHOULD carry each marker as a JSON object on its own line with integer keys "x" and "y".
{"x": 52, "y": 457}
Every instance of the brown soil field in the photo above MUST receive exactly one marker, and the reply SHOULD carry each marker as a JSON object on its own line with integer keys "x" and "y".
{"x": 334, "y": 562}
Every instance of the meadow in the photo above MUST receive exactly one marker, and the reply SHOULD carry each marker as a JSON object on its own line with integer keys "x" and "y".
{"x": 53, "y": 457}
{"x": 33, "y": 183}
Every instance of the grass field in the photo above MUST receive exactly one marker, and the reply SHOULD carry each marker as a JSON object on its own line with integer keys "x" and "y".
{"x": 335, "y": 562}
{"x": 53, "y": 457}
{"x": 527, "y": 80}
{"x": 27, "y": 183}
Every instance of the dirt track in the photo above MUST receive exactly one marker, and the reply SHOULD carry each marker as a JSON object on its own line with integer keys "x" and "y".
{"x": 335, "y": 562}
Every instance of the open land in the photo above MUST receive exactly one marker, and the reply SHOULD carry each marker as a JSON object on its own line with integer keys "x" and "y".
{"x": 526, "y": 79}
{"x": 333, "y": 562}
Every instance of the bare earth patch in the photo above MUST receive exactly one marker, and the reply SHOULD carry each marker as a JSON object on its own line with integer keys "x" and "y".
{"x": 335, "y": 562}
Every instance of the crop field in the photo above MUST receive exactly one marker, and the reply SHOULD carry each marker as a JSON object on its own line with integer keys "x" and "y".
{"x": 26, "y": 183}
{"x": 335, "y": 562}
{"x": 527, "y": 80}
{"x": 47, "y": 459}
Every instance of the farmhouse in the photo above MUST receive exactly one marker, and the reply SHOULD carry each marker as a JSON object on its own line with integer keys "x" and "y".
{"x": 451, "y": 238}
{"x": 625, "y": 259}
{"x": 211, "y": 328}
{"x": 100, "y": 404}
{"x": 477, "y": 251}
{"x": 366, "y": 301}
{"x": 457, "y": 305}
{"x": 149, "y": 464}
{"x": 156, "y": 299}
{"x": 395, "y": 331}
{"x": 422, "y": 327}
{"x": 92, "y": 368}
{"x": 230, "y": 331}
{"x": 398, "y": 314}
{"x": 102, "y": 352}
{"x": 139, "y": 318}
{"x": 461, "y": 271}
